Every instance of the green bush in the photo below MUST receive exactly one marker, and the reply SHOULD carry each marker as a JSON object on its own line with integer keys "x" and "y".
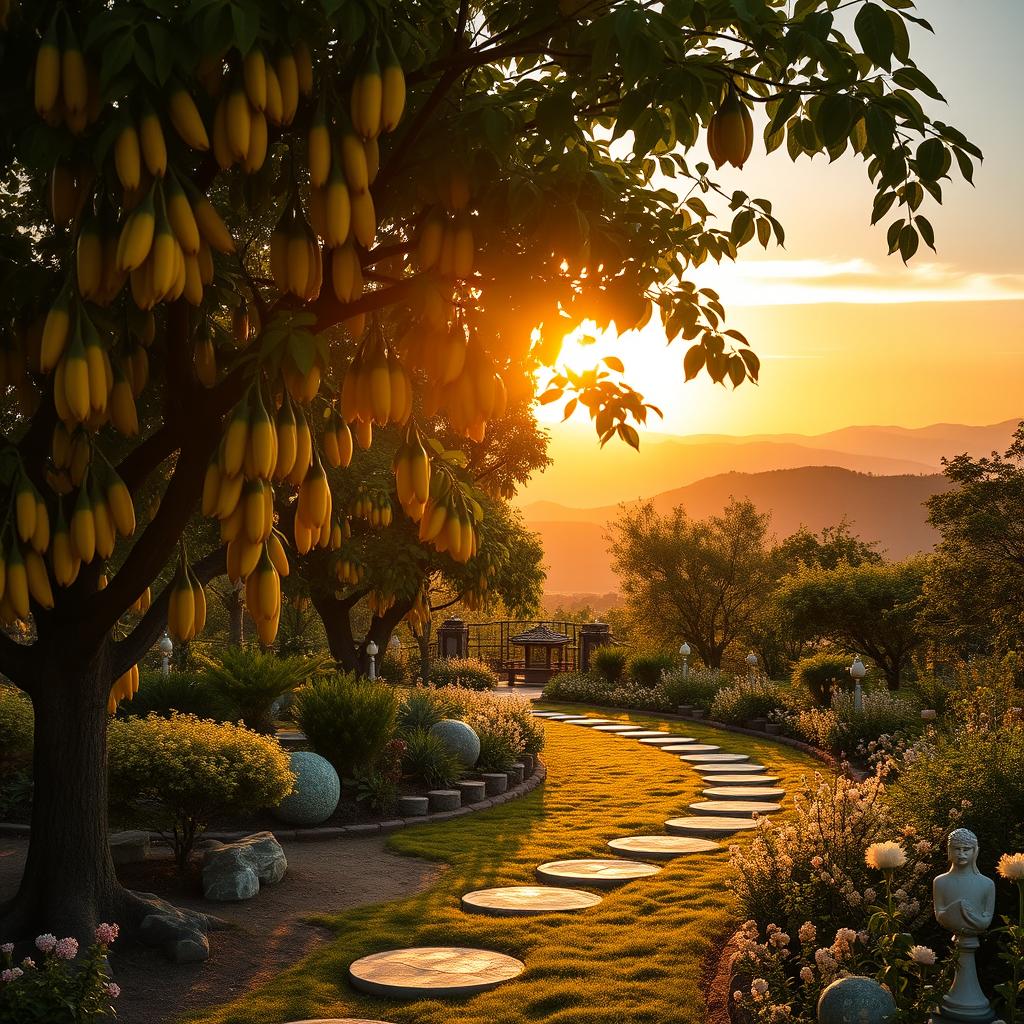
{"x": 16, "y": 725}
{"x": 188, "y": 693}
{"x": 609, "y": 663}
{"x": 647, "y": 669}
{"x": 697, "y": 687}
{"x": 347, "y": 720}
{"x": 841, "y": 728}
{"x": 470, "y": 673}
{"x": 393, "y": 668}
{"x": 746, "y": 699}
{"x": 249, "y": 682}
{"x": 421, "y": 709}
{"x": 177, "y": 774}
{"x": 496, "y": 753}
{"x": 818, "y": 673}
{"x": 428, "y": 762}
{"x": 576, "y": 687}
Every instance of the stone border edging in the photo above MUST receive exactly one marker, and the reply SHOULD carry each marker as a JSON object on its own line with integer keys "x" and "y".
{"x": 360, "y": 831}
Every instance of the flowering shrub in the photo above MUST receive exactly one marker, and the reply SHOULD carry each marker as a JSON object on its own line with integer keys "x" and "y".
{"x": 176, "y": 774}
{"x": 818, "y": 674}
{"x": 697, "y": 686}
{"x": 593, "y": 689}
{"x": 1011, "y": 938}
{"x": 61, "y": 989}
{"x": 811, "y": 867}
{"x": 745, "y": 699}
{"x": 506, "y": 719}
{"x": 469, "y": 673}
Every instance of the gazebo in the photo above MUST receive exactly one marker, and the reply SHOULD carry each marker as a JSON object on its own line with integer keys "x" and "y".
{"x": 542, "y": 655}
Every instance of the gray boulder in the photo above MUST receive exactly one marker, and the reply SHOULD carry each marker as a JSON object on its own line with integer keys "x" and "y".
{"x": 235, "y": 871}
{"x": 461, "y": 739}
{"x": 316, "y": 793}
{"x": 129, "y": 847}
{"x": 179, "y": 934}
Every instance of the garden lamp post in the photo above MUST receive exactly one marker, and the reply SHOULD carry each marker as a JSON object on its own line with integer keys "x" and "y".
{"x": 371, "y": 650}
{"x": 857, "y": 673}
{"x": 166, "y": 647}
{"x": 685, "y": 652}
{"x": 751, "y": 665}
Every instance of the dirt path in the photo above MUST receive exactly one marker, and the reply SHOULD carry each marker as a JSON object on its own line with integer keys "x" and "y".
{"x": 269, "y": 931}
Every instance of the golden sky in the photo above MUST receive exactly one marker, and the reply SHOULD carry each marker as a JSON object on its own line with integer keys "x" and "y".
{"x": 846, "y": 334}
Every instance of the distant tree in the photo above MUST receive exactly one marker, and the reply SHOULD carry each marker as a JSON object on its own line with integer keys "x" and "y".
{"x": 975, "y": 583}
{"x": 874, "y": 609}
{"x": 834, "y": 545}
{"x": 696, "y": 580}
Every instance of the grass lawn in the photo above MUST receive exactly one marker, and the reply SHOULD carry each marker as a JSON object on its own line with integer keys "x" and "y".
{"x": 640, "y": 957}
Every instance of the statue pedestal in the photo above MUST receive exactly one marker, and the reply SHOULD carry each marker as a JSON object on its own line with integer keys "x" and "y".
{"x": 965, "y": 1001}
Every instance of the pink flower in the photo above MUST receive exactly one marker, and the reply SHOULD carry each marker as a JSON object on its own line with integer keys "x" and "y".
{"x": 806, "y": 975}
{"x": 28, "y": 963}
{"x": 759, "y": 988}
{"x": 112, "y": 989}
{"x": 807, "y": 932}
{"x": 66, "y": 949}
{"x": 779, "y": 940}
{"x": 11, "y": 974}
{"x": 922, "y": 955}
{"x": 7, "y": 948}
{"x": 46, "y": 943}
{"x": 816, "y": 862}
{"x": 107, "y": 933}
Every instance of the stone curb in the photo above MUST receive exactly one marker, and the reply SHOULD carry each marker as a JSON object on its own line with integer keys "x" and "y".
{"x": 360, "y": 831}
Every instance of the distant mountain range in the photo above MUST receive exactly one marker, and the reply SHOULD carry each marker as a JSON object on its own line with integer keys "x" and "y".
{"x": 878, "y": 478}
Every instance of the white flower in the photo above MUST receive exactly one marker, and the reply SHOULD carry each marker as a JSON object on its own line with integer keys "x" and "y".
{"x": 759, "y": 988}
{"x": 1011, "y": 867}
{"x": 922, "y": 955}
{"x": 885, "y": 856}
{"x": 7, "y": 948}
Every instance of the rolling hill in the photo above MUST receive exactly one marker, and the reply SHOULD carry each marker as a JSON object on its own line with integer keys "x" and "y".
{"x": 888, "y": 509}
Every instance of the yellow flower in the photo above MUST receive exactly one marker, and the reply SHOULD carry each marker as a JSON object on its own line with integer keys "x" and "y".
{"x": 1011, "y": 866}
{"x": 885, "y": 856}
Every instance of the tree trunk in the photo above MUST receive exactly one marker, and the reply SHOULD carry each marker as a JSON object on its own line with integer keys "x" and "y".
{"x": 424, "y": 644}
{"x": 236, "y": 615}
{"x": 69, "y": 884}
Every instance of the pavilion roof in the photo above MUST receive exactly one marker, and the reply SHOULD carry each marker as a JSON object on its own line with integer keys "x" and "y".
{"x": 540, "y": 635}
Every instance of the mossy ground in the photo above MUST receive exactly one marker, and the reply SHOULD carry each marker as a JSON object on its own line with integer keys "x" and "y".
{"x": 640, "y": 957}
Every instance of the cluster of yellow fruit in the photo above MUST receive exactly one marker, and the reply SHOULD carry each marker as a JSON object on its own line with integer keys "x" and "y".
{"x": 446, "y": 244}
{"x": 335, "y": 438}
{"x": 730, "y": 132}
{"x": 349, "y": 571}
{"x": 372, "y": 505}
{"x": 22, "y": 569}
{"x": 418, "y": 616}
{"x": 376, "y": 388}
{"x": 378, "y": 602}
{"x": 125, "y": 687}
{"x": 412, "y": 474}
{"x": 449, "y": 519}
{"x": 474, "y": 397}
{"x": 186, "y": 610}
{"x": 66, "y": 91}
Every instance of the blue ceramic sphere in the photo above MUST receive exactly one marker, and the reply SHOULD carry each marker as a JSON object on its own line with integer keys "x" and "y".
{"x": 316, "y": 793}
{"x": 856, "y": 1000}
{"x": 459, "y": 738}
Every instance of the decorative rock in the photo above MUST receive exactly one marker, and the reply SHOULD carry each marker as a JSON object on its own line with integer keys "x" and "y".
{"x": 699, "y": 825}
{"x": 472, "y": 790}
{"x": 445, "y": 799}
{"x": 515, "y": 774}
{"x": 740, "y": 780}
{"x": 316, "y": 793}
{"x": 660, "y": 847}
{"x": 459, "y": 738}
{"x": 714, "y": 758}
{"x": 668, "y": 741}
{"x": 180, "y": 934}
{"x": 703, "y": 748}
{"x": 596, "y": 874}
{"x": 856, "y": 1000}
{"x": 427, "y": 972}
{"x": 412, "y": 806}
{"x": 129, "y": 847}
{"x": 743, "y": 793}
{"x": 735, "y": 808}
{"x": 524, "y": 900}
{"x": 235, "y": 871}
{"x": 726, "y": 768}
{"x": 495, "y": 782}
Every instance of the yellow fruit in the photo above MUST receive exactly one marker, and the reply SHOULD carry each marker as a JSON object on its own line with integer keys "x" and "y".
{"x": 304, "y": 68}
{"x": 364, "y": 219}
{"x": 287, "y": 440}
{"x": 163, "y": 256}
{"x": 104, "y": 528}
{"x": 319, "y": 149}
{"x": 83, "y": 527}
{"x": 122, "y": 510}
{"x": 364, "y": 434}
{"x": 74, "y": 78}
{"x": 262, "y": 442}
{"x": 154, "y": 147}
{"x": 238, "y": 122}
{"x": 337, "y": 210}
{"x": 257, "y": 154}
{"x": 76, "y": 379}
{"x": 211, "y": 489}
{"x": 288, "y": 79}
{"x": 275, "y": 549}
{"x": 55, "y": 333}
{"x": 392, "y": 90}
{"x": 205, "y": 362}
{"x": 65, "y": 562}
{"x": 127, "y": 158}
{"x": 372, "y": 150}
{"x": 353, "y": 157}
{"x": 186, "y": 120}
{"x": 181, "y": 609}
{"x": 47, "y": 79}
{"x": 255, "y": 74}
{"x": 314, "y": 504}
{"x": 137, "y": 236}
{"x": 274, "y": 109}
{"x": 25, "y": 509}
{"x": 367, "y": 90}
{"x": 236, "y": 440}
{"x": 16, "y": 588}
{"x": 180, "y": 216}
{"x": 199, "y": 606}
{"x": 730, "y": 132}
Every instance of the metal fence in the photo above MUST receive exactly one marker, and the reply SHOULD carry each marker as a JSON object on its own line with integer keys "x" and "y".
{"x": 490, "y": 642}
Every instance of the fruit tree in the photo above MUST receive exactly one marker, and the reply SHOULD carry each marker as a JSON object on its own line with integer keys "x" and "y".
{"x": 241, "y": 235}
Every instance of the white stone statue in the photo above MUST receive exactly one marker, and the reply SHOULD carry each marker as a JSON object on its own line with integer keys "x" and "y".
{"x": 965, "y": 901}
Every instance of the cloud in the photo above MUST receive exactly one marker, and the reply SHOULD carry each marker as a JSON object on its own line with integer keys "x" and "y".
{"x": 857, "y": 281}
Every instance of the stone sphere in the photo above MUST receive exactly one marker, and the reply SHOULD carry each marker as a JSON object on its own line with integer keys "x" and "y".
{"x": 459, "y": 738}
{"x": 316, "y": 793}
{"x": 856, "y": 1000}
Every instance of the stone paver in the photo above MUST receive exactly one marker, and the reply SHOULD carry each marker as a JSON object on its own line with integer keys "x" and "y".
{"x": 735, "y": 808}
{"x": 640, "y": 734}
{"x": 525, "y": 900}
{"x": 427, "y": 972}
{"x": 614, "y": 728}
{"x": 721, "y": 758}
{"x": 598, "y": 721}
{"x": 751, "y": 779}
{"x": 595, "y": 874}
{"x": 666, "y": 741}
{"x": 743, "y": 793}
{"x": 703, "y": 748}
{"x": 680, "y": 746}
{"x": 725, "y": 768}
{"x": 699, "y": 825}
{"x": 660, "y": 847}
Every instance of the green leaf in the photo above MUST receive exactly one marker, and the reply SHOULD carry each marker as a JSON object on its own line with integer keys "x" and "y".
{"x": 912, "y": 78}
{"x": 907, "y": 242}
{"x": 931, "y": 159}
{"x": 834, "y": 119}
{"x": 926, "y": 231}
{"x": 876, "y": 35}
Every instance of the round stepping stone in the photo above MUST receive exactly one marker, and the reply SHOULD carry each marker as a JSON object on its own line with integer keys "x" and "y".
{"x": 700, "y": 825}
{"x": 735, "y": 808}
{"x": 614, "y": 728}
{"x": 680, "y": 746}
{"x": 559, "y": 717}
{"x": 726, "y": 768}
{"x": 426, "y": 972}
{"x": 714, "y": 758}
{"x": 595, "y": 721}
{"x": 743, "y": 793}
{"x": 664, "y": 741}
{"x": 660, "y": 847}
{"x": 640, "y": 734}
{"x": 740, "y": 780}
{"x": 597, "y": 874}
{"x": 523, "y": 900}
{"x": 702, "y": 748}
